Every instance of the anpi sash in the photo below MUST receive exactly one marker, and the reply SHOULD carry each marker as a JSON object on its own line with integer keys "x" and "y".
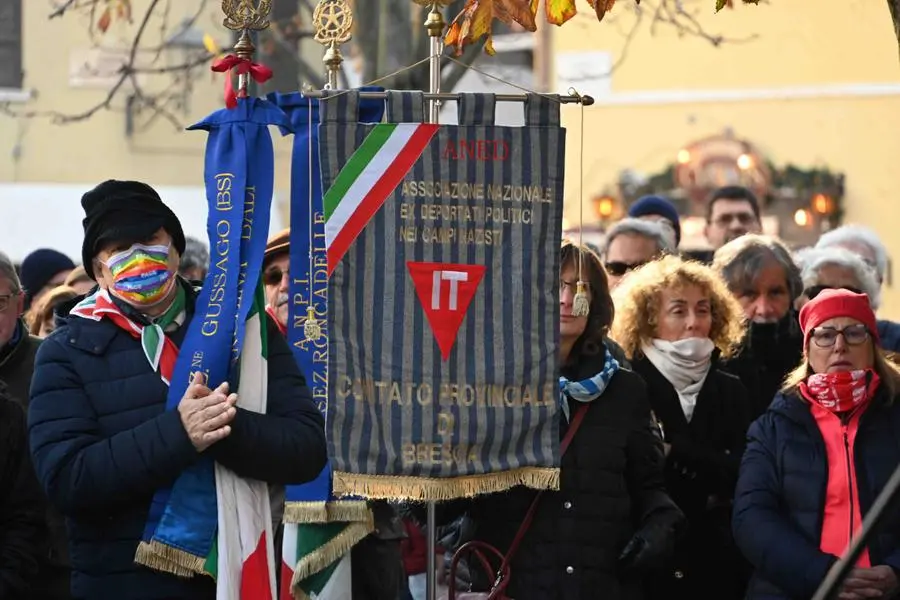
{"x": 319, "y": 529}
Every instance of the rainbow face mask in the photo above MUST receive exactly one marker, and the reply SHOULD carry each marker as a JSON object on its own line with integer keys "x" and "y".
{"x": 141, "y": 274}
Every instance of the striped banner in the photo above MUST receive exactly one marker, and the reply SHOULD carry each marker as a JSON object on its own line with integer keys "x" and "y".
{"x": 443, "y": 253}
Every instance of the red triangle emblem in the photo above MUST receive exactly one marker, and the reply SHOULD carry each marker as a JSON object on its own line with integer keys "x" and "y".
{"x": 445, "y": 291}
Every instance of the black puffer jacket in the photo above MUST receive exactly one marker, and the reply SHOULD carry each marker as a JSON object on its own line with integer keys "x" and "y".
{"x": 611, "y": 483}
{"x": 23, "y": 534}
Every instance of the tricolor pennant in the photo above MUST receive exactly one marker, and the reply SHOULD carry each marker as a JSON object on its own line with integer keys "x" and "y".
{"x": 369, "y": 177}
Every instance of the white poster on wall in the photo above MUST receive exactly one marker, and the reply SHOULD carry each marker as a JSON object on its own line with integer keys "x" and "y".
{"x": 590, "y": 73}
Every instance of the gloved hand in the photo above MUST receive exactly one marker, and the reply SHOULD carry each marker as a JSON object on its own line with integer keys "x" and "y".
{"x": 651, "y": 547}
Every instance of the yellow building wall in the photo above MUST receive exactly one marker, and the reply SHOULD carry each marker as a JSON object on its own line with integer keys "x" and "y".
{"x": 98, "y": 148}
{"x": 799, "y": 43}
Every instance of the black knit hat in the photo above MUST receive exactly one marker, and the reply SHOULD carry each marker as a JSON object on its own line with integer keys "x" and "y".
{"x": 124, "y": 211}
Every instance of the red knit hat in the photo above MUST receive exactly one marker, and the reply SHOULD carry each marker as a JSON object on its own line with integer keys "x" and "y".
{"x": 837, "y": 303}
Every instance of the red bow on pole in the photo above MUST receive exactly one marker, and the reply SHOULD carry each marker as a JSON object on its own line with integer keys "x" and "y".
{"x": 260, "y": 73}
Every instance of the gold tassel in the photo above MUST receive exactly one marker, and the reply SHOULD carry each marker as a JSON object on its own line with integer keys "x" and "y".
{"x": 311, "y": 328}
{"x": 581, "y": 306}
{"x": 423, "y": 489}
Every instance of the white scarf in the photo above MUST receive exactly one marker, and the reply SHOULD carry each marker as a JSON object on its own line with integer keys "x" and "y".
{"x": 684, "y": 364}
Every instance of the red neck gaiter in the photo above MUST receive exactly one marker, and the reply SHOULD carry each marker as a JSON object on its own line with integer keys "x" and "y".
{"x": 842, "y": 391}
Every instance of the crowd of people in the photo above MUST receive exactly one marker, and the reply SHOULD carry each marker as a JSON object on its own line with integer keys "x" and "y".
{"x": 727, "y": 418}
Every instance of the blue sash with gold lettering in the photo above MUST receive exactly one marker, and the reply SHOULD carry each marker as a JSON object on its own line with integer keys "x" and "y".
{"x": 309, "y": 276}
{"x": 180, "y": 534}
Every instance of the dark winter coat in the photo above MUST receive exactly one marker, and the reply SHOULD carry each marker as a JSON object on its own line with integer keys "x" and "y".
{"x": 17, "y": 365}
{"x": 23, "y": 533}
{"x": 889, "y": 334}
{"x": 769, "y": 353}
{"x": 611, "y": 483}
{"x": 779, "y": 503}
{"x": 103, "y": 444}
{"x": 701, "y": 472}
{"x": 16, "y": 369}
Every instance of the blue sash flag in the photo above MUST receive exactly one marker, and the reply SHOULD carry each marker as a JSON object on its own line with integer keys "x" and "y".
{"x": 306, "y": 503}
{"x": 180, "y": 533}
{"x": 319, "y": 529}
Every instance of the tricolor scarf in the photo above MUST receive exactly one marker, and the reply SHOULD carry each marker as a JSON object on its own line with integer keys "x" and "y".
{"x": 587, "y": 390}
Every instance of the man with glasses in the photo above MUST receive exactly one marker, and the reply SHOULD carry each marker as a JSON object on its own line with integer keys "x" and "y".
{"x": 17, "y": 347}
{"x": 17, "y": 352}
{"x": 630, "y": 244}
{"x": 732, "y": 211}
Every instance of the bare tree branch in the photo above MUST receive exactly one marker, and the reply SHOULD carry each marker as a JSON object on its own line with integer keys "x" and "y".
{"x": 393, "y": 39}
{"x": 61, "y": 9}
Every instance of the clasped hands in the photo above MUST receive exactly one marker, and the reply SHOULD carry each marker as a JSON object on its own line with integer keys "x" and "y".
{"x": 875, "y": 582}
{"x": 206, "y": 414}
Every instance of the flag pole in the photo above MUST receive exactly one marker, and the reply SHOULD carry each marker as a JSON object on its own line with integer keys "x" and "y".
{"x": 246, "y": 16}
{"x": 435, "y": 25}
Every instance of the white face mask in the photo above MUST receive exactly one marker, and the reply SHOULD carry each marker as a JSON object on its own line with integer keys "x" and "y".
{"x": 689, "y": 350}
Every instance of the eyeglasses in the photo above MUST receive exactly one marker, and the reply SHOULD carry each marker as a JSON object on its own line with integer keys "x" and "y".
{"x": 744, "y": 219}
{"x": 814, "y": 290}
{"x": 6, "y": 300}
{"x": 854, "y": 335}
{"x": 618, "y": 268}
{"x": 273, "y": 276}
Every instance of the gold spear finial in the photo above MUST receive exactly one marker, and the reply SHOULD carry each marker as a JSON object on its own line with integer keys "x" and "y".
{"x": 333, "y": 21}
{"x": 435, "y": 23}
{"x": 246, "y": 16}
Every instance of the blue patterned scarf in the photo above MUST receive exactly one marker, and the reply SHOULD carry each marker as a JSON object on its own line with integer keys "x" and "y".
{"x": 587, "y": 390}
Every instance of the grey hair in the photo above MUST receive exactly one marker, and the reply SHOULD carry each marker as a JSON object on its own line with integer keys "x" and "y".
{"x": 801, "y": 255}
{"x": 8, "y": 272}
{"x": 841, "y": 257}
{"x": 196, "y": 255}
{"x": 740, "y": 261}
{"x": 859, "y": 235}
{"x": 664, "y": 239}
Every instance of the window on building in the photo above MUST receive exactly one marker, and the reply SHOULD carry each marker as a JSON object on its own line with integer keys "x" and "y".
{"x": 11, "y": 43}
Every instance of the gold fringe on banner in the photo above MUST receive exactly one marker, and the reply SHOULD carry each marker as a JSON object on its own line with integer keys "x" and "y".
{"x": 423, "y": 489}
{"x": 305, "y": 512}
{"x": 160, "y": 557}
{"x": 347, "y": 511}
{"x": 326, "y": 555}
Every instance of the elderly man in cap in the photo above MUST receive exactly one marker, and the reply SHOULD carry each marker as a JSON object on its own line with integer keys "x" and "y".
{"x": 102, "y": 440}
{"x": 376, "y": 565}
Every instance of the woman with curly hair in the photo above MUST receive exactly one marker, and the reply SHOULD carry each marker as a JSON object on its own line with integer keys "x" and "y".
{"x": 674, "y": 320}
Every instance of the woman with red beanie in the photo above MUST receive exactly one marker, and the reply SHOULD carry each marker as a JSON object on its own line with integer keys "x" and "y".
{"x": 817, "y": 459}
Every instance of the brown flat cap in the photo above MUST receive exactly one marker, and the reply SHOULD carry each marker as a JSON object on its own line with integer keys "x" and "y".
{"x": 278, "y": 243}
